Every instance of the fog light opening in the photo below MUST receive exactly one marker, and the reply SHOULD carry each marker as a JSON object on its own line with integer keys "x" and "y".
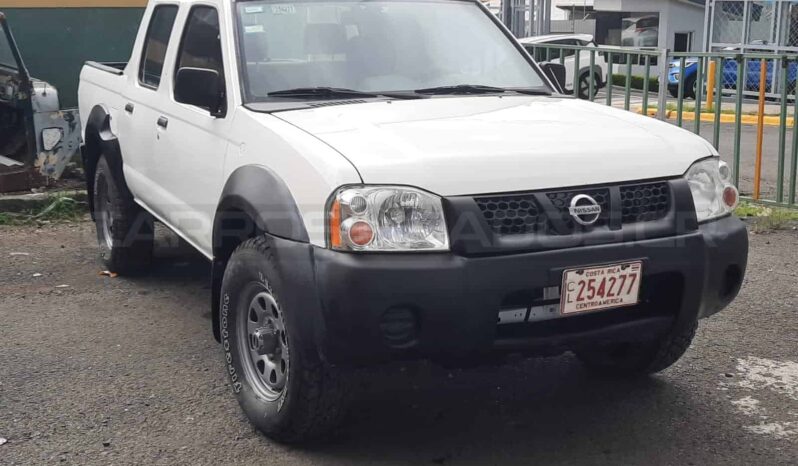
{"x": 400, "y": 327}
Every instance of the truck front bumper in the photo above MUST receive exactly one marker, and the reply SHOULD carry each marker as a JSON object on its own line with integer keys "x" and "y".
{"x": 377, "y": 307}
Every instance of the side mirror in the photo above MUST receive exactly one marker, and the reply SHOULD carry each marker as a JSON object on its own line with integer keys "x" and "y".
{"x": 556, "y": 74}
{"x": 200, "y": 87}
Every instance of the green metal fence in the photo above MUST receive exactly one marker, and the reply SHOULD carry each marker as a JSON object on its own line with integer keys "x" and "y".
{"x": 723, "y": 91}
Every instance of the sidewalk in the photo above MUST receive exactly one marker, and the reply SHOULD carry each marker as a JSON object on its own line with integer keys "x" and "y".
{"x": 636, "y": 100}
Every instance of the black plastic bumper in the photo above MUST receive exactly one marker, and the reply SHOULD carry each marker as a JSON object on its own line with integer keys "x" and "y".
{"x": 373, "y": 308}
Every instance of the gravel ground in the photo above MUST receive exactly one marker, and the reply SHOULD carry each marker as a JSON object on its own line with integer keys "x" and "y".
{"x": 99, "y": 370}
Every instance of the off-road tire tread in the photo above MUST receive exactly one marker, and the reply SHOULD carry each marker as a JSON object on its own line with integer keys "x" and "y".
{"x": 673, "y": 347}
{"x": 669, "y": 349}
{"x": 322, "y": 392}
{"x": 136, "y": 257}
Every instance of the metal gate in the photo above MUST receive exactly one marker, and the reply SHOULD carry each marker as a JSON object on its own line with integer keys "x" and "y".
{"x": 527, "y": 17}
{"x": 754, "y": 26}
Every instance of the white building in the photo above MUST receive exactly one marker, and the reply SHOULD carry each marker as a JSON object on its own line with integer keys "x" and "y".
{"x": 673, "y": 24}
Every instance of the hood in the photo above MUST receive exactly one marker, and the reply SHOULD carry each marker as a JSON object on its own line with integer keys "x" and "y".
{"x": 492, "y": 144}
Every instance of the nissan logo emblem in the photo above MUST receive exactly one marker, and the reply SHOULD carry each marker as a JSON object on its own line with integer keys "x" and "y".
{"x": 585, "y": 210}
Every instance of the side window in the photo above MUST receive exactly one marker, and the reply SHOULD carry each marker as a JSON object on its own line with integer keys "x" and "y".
{"x": 566, "y": 53}
{"x": 547, "y": 53}
{"x": 155, "y": 45}
{"x": 202, "y": 45}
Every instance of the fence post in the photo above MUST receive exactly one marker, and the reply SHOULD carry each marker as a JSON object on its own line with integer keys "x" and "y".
{"x": 662, "y": 100}
{"x": 760, "y": 127}
{"x": 711, "y": 84}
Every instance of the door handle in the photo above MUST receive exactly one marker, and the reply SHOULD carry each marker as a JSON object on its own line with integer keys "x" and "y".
{"x": 129, "y": 108}
{"x": 163, "y": 122}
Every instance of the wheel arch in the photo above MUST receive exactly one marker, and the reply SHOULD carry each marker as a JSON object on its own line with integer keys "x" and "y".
{"x": 254, "y": 201}
{"x": 597, "y": 72}
{"x": 100, "y": 140}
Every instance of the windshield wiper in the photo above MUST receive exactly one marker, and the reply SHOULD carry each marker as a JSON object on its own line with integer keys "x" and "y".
{"x": 462, "y": 89}
{"x": 465, "y": 89}
{"x": 532, "y": 91}
{"x": 337, "y": 92}
{"x": 323, "y": 92}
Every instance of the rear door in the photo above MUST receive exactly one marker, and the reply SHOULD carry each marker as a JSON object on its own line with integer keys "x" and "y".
{"x": 192, "y": 143}
{"x": 143, "y": 96}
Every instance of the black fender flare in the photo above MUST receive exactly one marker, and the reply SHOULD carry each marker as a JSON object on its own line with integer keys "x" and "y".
{"x": 265, "y": 198}
{"x": 254, "y": 201}
{"x": 99, "y": 141}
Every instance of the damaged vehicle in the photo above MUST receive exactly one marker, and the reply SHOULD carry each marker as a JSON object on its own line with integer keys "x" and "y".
{"x": 37, "y": 138}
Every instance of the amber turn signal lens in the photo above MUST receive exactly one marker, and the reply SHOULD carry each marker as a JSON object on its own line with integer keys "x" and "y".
{"x": 361, "y": 233}
{"x": 730, "y": 196}
{"x": 335, "y": 225}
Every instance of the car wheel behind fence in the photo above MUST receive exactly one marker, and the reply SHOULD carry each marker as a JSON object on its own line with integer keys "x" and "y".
{"x": 584, "y": 86}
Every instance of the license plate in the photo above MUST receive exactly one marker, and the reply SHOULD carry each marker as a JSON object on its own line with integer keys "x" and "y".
{"x": 598, "y": 288}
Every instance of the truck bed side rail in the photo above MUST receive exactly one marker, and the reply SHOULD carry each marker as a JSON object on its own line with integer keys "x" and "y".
{"x": 117, "y": 68}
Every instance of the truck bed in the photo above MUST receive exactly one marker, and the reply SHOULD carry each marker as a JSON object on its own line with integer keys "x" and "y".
{"x": 116, "y": 68}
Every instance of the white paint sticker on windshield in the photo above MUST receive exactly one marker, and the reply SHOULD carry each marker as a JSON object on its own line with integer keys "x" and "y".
{"x": 253, "y": 9}
{"x": 253, "y": 29}
{"x": 283, "y": 10}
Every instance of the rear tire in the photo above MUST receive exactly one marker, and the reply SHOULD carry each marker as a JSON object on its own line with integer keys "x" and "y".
{"x": 639, "y": 358}
{"x": 124, "y": 230}
{"x": 584, "y": 85}
{"x": 282, "y": 386}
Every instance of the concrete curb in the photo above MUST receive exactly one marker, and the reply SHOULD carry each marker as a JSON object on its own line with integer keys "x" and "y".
{"x": 30, "y": 202}
{"x": 724, "y": 117}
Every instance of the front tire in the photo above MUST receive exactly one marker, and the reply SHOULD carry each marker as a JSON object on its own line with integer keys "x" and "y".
{"x": 125, "y": 232}
{"x": 691, "y": 88}
{"x": 280, "y": 383}
{"x": 639, "y": 358}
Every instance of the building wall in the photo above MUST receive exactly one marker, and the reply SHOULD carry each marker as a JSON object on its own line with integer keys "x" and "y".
{"x": 684, "y": 18}
{"x": 56, "y": 37}
{"x": 674, "y": 16}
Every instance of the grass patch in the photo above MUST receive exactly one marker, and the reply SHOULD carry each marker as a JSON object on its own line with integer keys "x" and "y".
{"x": 58, "y": 209}
{"x": 764, "y": 218}
{"x": 637, "y": 82}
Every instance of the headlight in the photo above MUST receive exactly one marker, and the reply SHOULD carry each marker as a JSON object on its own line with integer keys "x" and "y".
{"x": 386, "y": 218}
{"x": 51, "y": 137}
{"x": 714, "y": 194}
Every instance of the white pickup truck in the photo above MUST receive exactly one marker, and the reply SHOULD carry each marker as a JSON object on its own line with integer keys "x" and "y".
{"x": 398, "y": 179}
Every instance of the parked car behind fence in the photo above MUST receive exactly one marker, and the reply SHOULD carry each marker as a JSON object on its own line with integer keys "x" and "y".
{"x": 536, "y": 47}
{"x": 752, "y": 75}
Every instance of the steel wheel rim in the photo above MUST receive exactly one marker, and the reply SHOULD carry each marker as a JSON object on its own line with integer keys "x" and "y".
{"x": 263, "y": 339}
{"x": 105, "y": 215}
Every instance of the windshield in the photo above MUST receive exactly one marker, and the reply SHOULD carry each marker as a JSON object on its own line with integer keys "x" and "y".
{"x": 375, "y": 46}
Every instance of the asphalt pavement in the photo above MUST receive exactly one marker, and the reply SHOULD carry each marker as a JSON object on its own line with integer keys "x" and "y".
{"x": 100, "y": 370}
